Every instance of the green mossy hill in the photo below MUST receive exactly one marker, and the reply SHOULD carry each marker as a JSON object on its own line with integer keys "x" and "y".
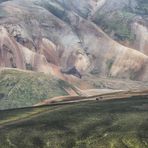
{"x": 110, "y": 124}
{"x": 21, "y": 89}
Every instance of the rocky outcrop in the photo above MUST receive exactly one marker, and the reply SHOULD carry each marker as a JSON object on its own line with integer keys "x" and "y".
{"x": 72, "y": 71}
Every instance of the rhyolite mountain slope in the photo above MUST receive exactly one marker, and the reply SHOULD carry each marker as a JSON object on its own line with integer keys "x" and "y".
{"x": 50, "y": 48}
{"x": 125, "y": 21}
{"x": 50, "y": 35}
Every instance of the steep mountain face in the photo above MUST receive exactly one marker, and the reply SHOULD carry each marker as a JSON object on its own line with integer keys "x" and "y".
{"x": 52, "y": 36}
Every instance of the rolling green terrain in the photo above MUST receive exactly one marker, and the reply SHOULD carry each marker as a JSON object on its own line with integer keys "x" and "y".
{"x": 108, "y": 124}
{"x": 21, "y": 89}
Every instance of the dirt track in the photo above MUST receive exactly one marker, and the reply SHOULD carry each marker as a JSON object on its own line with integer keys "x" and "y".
{"x": 101, "y": 97}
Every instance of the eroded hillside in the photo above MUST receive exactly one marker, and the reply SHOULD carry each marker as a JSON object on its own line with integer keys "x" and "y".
{"x": 49, "y": 36}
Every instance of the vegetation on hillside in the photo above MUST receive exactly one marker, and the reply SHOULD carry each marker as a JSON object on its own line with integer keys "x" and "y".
{"x": 142, "y": 7}
{"x": 19, "y": 89}
{"x": 117, "y": 23}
